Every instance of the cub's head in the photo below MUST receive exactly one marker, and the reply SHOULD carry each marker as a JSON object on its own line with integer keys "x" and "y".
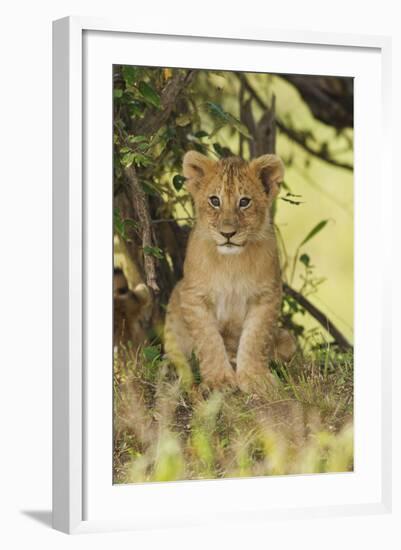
{"x": 129, "y": 309}
{"x": 233, "y": 197}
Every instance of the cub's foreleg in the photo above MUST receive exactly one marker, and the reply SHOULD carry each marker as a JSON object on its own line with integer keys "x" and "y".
{"x": 208, "y": 343}
{"x": 256, "y": 343}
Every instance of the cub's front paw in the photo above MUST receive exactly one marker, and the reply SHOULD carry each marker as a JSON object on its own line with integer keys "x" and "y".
{"x": 255, "y": 379}
{"x": 219, "y": 376}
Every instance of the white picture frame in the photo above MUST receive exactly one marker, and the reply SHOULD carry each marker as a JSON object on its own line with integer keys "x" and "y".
{"x": 74, "y": 220}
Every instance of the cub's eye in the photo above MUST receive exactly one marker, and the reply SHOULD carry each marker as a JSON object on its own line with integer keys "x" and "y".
{"x": 122, "y": 291}
{"x": 214, "y": 201}
{"x": 244, "y": 202}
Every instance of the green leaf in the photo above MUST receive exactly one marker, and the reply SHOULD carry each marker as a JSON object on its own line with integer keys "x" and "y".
{"x": 118, "y": 93}
{"x": 178, "y": 182}
{"x": 314, "y": 231}
{"x": 120, "y": 225}
{"x": 128, "y": 222}
{"x": 130, "y": 74}
{"x": 149, "y": 94}
{"x": 137, "y": 139}
{"x": 128, "y": 159}
{"x": 216, "y": 110}
{"x": 150, "y": 189}
{"x": 226, "y": 118}
{"x": 117, "y": 221}
{"x": 143, "y": 146}
{"x": 201, "y": 134}
{"x": 241, "y": 128}
{"x": 142, "y": 160}
{"x": 219, "y": 149}
{"x": 151, "y": 353}
{"x": 183, "y": 120}
{"x": 305, "y": 259}
{"x": 136, "y": 108}
{"x": 153, "y": 251}
{"x": 170, "y": 132}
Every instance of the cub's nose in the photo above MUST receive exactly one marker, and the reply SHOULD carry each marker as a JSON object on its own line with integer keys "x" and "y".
{"x": 228, "y": 235}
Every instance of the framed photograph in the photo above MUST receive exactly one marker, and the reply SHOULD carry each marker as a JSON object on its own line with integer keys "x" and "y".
{"x": 220, "y": 314}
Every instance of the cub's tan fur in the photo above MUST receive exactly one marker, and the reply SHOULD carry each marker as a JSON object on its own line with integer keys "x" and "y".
{"x": 226, "y": 307}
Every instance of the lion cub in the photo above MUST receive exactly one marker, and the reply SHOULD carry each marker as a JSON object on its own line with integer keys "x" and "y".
{"x": 129, "y": 306}
{"x": 226, "y": 307}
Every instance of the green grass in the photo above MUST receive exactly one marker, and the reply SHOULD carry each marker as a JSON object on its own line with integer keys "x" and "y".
{"x": 163, "y": 432}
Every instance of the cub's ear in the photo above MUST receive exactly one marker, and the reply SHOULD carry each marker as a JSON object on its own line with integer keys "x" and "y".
{"x": 269, "y": 169}
{"x": 196, "y": 165}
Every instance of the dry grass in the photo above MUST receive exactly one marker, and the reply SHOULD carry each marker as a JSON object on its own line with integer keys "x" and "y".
{"x": 163, "y": 432}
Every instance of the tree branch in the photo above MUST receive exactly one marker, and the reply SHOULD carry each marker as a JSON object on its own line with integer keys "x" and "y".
{"x": 168, "y": 98}
{"x": 324, "y": 321}
{"x": 330, "y": 98}
{"x": 291, "y": 133}
{"x": 141, "y": 208}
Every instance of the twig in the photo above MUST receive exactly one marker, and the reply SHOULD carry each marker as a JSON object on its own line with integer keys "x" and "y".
{"x": 339, "y": 338}
{"x": 241, "y": 136}
{"x": 141, "y": 209}
{"x": 291, "y": 133}
{"x": 172, "y": 220}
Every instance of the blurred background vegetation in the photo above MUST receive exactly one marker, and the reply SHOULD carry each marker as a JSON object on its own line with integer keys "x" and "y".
{"x": 159, "y": 114}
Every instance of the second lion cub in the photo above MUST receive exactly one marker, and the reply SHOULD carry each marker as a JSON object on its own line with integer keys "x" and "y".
{"x": 226, "y": 307}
